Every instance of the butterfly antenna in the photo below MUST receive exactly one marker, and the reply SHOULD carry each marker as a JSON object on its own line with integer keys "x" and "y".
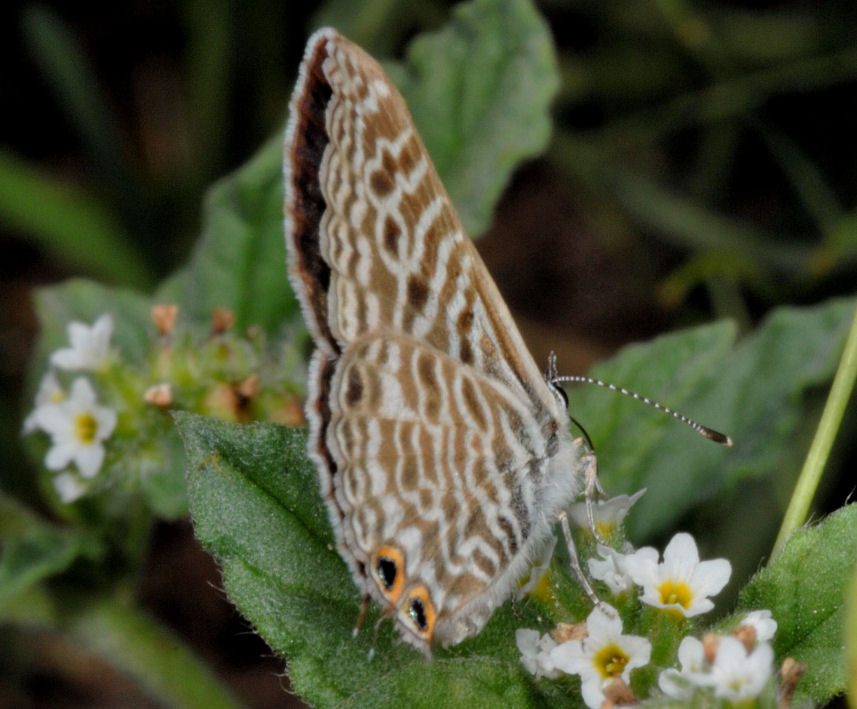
{"x": 703, "y": 431}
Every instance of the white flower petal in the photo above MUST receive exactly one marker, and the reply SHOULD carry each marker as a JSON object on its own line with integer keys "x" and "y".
{"x": 612, "y": 569}
{"x": 710, "y": 577}
{"x": 50, "y": 390}
{"x": 50, "y": 393}
{"x": 680, "y": 684}
{"x": 66, "y": 359}
{"x": 609, "y": 512}
{"x": 59, "y": 456}
{"x": 50, "y": 418}
{"x": 570, "y": 657}
{"x": 763, "y": 623}
{"x": 78, "y": 334}
{"x": 698, "y": 607}
{"x": 603, "y": 624}
{"x": 82, "y": 395}
{"x": 642, "y": 566}
{"x": 105, "y": 417}
{"x": 737, "y": 675}
{"x": 89, "y": 459}
{"x": 535, "y": 652}
{"x": 89, "y": 345}
{"x": 591, "y": 689}
{"x": 691, "y": 654}
{"x": 681, "y": 555}
{"x": 68, "y": 487}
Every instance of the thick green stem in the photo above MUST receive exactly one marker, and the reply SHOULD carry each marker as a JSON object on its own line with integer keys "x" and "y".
{"x": 810, "y": 475}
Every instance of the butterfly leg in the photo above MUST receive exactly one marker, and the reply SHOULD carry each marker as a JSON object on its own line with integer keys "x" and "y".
{"x": 575, "y": 560}
{"x": 592, "y": 488}
{"x": 364, "y": 607}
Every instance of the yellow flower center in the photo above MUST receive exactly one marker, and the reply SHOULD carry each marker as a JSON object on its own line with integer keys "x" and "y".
{"x": 604, "y": 529}
{"x": 610, "y": 661}
{"x": 675, "y": 592}
{"x": 85, "y": 427}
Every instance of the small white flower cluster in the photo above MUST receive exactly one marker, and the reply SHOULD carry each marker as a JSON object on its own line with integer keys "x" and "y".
{"x": 76, "y": 423}
{"x": 680, "y": 585}
{"x": 735, "y": 670}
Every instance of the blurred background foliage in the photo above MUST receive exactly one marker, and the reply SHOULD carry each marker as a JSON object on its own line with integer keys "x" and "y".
{"x": 702, "y": 166}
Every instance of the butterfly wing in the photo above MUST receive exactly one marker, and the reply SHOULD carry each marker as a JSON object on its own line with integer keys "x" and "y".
{"x": 431, "y": 426}
{"x": 375, "y": 242}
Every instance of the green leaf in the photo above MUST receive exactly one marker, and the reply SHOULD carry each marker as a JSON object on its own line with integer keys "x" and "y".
{"x": 34, "y": 550}
{"x": 753, "y": 391}
{"x": 137, "y": 644}
{"x": 480, "y": 91}
{"x": 58, "y": 216}
{"x": 851, "y": 635}
{"x": 805, "y": 587}
{"x": 376, "y": 25}
{"x": 256, "y": 506}
{"x": 240, "y": 259}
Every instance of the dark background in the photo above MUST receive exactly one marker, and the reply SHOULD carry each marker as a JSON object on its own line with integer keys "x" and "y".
{"x": 728, "y": 188}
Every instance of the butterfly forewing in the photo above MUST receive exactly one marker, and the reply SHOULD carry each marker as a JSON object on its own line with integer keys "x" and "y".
{"x": 441, "y": 450}
{"x": 393, "y": 251}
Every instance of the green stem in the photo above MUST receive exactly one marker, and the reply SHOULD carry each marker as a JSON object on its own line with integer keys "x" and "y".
{"x": 810, "y": 474}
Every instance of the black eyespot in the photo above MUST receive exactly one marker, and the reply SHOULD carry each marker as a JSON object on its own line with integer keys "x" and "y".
{"x": 387, "y": 572}
{"x": 417, "y": 611}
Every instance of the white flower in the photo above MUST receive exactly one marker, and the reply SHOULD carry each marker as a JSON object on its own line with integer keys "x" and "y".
{"x": 77, "y": 426}
{"x": 607, "y": 514}
{"x": 89, "y": 345}
{"x": 681, "y": 683}
{"x": 69, "y": 487}
{"x": 737, "y": 675}
{"x": 681, "y": 583}
{"x": 763, "y": 623}
{"x": 602, "y": 656}
{"x": 535, "y": 652}
{"x": 613, "y": 568}
{"x": 50, "y": 392}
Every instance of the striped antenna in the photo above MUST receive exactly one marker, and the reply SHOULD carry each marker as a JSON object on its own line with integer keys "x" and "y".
{"x": 703, "y": 431}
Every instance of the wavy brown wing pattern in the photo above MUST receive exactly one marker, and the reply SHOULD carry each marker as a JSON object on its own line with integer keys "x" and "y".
{"x": 443, "y": 455}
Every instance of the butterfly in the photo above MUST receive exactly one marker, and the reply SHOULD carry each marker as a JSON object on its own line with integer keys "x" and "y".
{"x": 444, "y": 455}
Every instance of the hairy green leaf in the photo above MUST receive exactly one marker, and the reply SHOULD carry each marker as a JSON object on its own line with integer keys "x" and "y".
{"x": 480, "y": 91}
{"x": 753, "y": 391}
{"x": 805, "y": 588}
{"x": 239, "y": 261}
{"x": 34, "y": 550}
{"x": 255, "y": 504}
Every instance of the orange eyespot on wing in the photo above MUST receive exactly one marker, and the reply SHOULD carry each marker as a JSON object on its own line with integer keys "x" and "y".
{"x": 419, "y": 611}
{"x": 388, "y": 568}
